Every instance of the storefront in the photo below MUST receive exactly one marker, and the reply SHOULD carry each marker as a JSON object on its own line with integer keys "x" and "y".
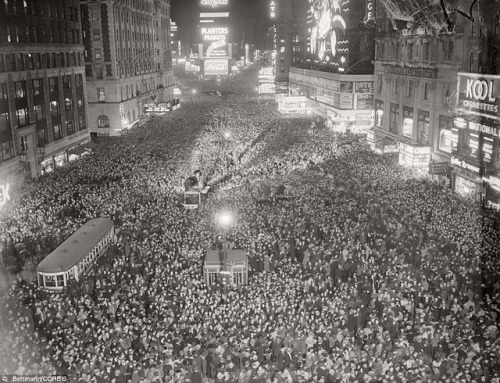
{"x": 466, "y": 179}
{"x": 492, "y": 192}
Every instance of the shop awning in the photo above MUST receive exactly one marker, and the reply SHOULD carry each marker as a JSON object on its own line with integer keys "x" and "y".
{"x": 78, "y": 151}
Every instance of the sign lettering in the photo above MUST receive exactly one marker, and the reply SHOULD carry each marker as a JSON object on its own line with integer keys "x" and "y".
{"x": 214, "y": 3}
{"x": 477, "y": 94}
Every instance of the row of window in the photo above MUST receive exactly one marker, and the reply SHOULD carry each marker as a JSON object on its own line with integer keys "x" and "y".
{"x": 407, "y": 127}
{"x": 42, "y": 34}
{"x": 30, "y": 61}
{"x": 95, "y": 253}
{"x": 411, "y": 87}
{"x": 44, "y": 8}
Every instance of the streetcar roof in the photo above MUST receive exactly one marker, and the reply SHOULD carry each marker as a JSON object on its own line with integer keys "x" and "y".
{"x": 76, "y": 247}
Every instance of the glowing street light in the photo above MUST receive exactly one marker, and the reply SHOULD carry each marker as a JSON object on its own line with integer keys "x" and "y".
{"x": 225, "y": 219}
{"x": 227, "y": 135}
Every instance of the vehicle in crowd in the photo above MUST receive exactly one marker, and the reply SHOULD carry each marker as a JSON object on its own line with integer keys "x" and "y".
{"x": 76, "y": 255}
{"x": 195, "y": 191}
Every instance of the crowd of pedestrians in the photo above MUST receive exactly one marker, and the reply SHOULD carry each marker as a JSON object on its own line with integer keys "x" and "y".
{"x": 362, "y": 274}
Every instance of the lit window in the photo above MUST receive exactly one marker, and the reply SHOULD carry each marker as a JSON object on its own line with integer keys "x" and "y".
{"x": 101, "y": 97}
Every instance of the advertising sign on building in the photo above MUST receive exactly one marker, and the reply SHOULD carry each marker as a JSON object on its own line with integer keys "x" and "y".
{"x": 346, "y": 101}
{"x": 214, "y": 3}
{"x": 272, "y": 9}
{"x": 267, "y": 88}
{"x": 479, "y": 94}
{"x": 216, "y": 67}
{"x": 438, "y": 168}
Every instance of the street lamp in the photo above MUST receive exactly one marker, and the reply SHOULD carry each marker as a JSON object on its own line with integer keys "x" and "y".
{"x": 225, "y": 219}
{"x": 227, "y": 135}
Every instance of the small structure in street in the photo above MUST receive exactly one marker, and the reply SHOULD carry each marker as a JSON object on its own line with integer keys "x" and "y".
{"x": 234, "y": 267}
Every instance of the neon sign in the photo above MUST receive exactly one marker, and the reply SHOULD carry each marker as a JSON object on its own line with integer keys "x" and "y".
{"x": 214, "y": 34}
{"x": 273, "y": 9}
{"x": 214, "y": 3}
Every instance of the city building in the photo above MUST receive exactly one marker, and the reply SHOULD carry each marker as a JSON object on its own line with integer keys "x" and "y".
{"x": 42, "y": 89}
{"x": 128, "y": 60}
{"x": 289, "y": 34}
{"x": 436, "y": 98}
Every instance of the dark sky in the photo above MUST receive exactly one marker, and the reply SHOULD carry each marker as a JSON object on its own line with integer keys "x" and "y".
{"x": 249, "y": 19}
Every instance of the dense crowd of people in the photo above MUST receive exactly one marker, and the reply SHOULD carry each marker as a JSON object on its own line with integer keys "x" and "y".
{"x": 363, "y": 273}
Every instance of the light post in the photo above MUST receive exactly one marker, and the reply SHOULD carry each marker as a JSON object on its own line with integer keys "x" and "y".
{"x": 225, "y": 219}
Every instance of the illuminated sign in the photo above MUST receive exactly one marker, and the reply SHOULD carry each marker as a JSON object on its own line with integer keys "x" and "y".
{"x": 369, "y": 11}
{"x": 216, "y": 67}
{"x": 326, "y": 25}
{"x": 463, "y": 164}
{"x": 477, "y": 94}
{"x": 214, "y": 3}
{"x": 267, "y": 88}
{"x": 4, "y": 194}
{"x": 273, "y": 9}
{"x": 157, "y": 108}
{"x": 214, "y": 34}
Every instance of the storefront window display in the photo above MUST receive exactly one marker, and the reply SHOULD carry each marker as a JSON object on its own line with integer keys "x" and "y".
{"x": 423, "y": 127}
{"x": 408, "y": 122}
{"x": 394, "y": 122}
{"x": 445, "y": 136}
{"x": 466, "y": 188}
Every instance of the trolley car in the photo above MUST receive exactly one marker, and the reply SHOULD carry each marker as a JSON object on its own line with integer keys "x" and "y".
{"x": 76, "y": 255}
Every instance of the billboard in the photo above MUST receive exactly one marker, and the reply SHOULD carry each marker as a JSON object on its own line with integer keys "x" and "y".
{"x": 479, "y": 95}
{"x": 216, "y": 67}
{"x": 328, "y": 27}
{"x": 214, "y": 4}
{"x": 267, "y": 88}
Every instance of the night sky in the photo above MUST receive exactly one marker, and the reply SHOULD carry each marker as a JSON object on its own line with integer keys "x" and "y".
{"x": 249, "y": 18}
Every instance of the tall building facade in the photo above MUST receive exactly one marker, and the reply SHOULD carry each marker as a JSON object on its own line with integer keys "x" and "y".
{"x": 128, "y": 60}
{"x": 289, "y": 36}
{"x": 42, "y": 88}
{"x": 436, "y": 101}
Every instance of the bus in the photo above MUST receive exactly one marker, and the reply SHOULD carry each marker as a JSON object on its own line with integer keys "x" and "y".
{"x": 75, "y": 256}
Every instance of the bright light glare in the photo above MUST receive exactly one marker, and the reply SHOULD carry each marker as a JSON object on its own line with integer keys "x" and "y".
{"x": 194, "y": 91}
{"x": 227, "y": 134}
{"x": 225, "y": 218}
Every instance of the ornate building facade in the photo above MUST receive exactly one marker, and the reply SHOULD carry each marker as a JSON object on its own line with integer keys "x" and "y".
{"x": 42, "y": 88}
{"x": 128, "y": 60}
{"x": 437, "y": 99}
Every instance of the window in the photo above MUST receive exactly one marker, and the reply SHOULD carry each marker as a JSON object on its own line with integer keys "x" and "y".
{"x": 497, "y": 24}
{"x": 70, "y": 127}
{"x": 20, "y": 89}
{"x": 99, "y": 74}
{"x": 296, "y": 38}
{"x": 380, "y": 82}
{"x": 57, "y": 131}
{"x": 494, "y": 61}
{"x": 408, "y": 122}
{"x": 97, "y": 36}
{"x": 22, "y": 117}
{"x": 282, "y": 49}
{"x": 410, "y": 88}
{"x": 68, "y": 102}
{"x": 20, "y": 60}
{"x": 425, "y": 91}
{"x": 379, "y": 113}
{"x": 445, "y": 126}
{"x": 3, "y": 92}
{"x": 423, "y": 127}
{"x": 53, "y": 86}
{"x": 4, "y": 122}
{"x": 95, "y": 15}
{"x": 81, "y": 122}
{"x": 103, "y": 121}
{"x": 54, "y": 108}
{"x": 6, "y": 148}
{"x": 66, "y": 82}
{"x": 471, "y": 62}
{"x": 394, "y": 122}
{"x": 396, "y": 86}
{"x": 37, "y": 87}
{"x": 450, "y": 47}
{"x": 425, "y": 51}
{"x": 409, "y": 48}
{"x": 39, "y": 113}
{"x": 97, "y": 54}
{"x": 101, "y": 97}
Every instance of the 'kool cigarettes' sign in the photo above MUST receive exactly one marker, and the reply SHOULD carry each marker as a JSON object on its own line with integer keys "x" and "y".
{"x": 477, "y": 94}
